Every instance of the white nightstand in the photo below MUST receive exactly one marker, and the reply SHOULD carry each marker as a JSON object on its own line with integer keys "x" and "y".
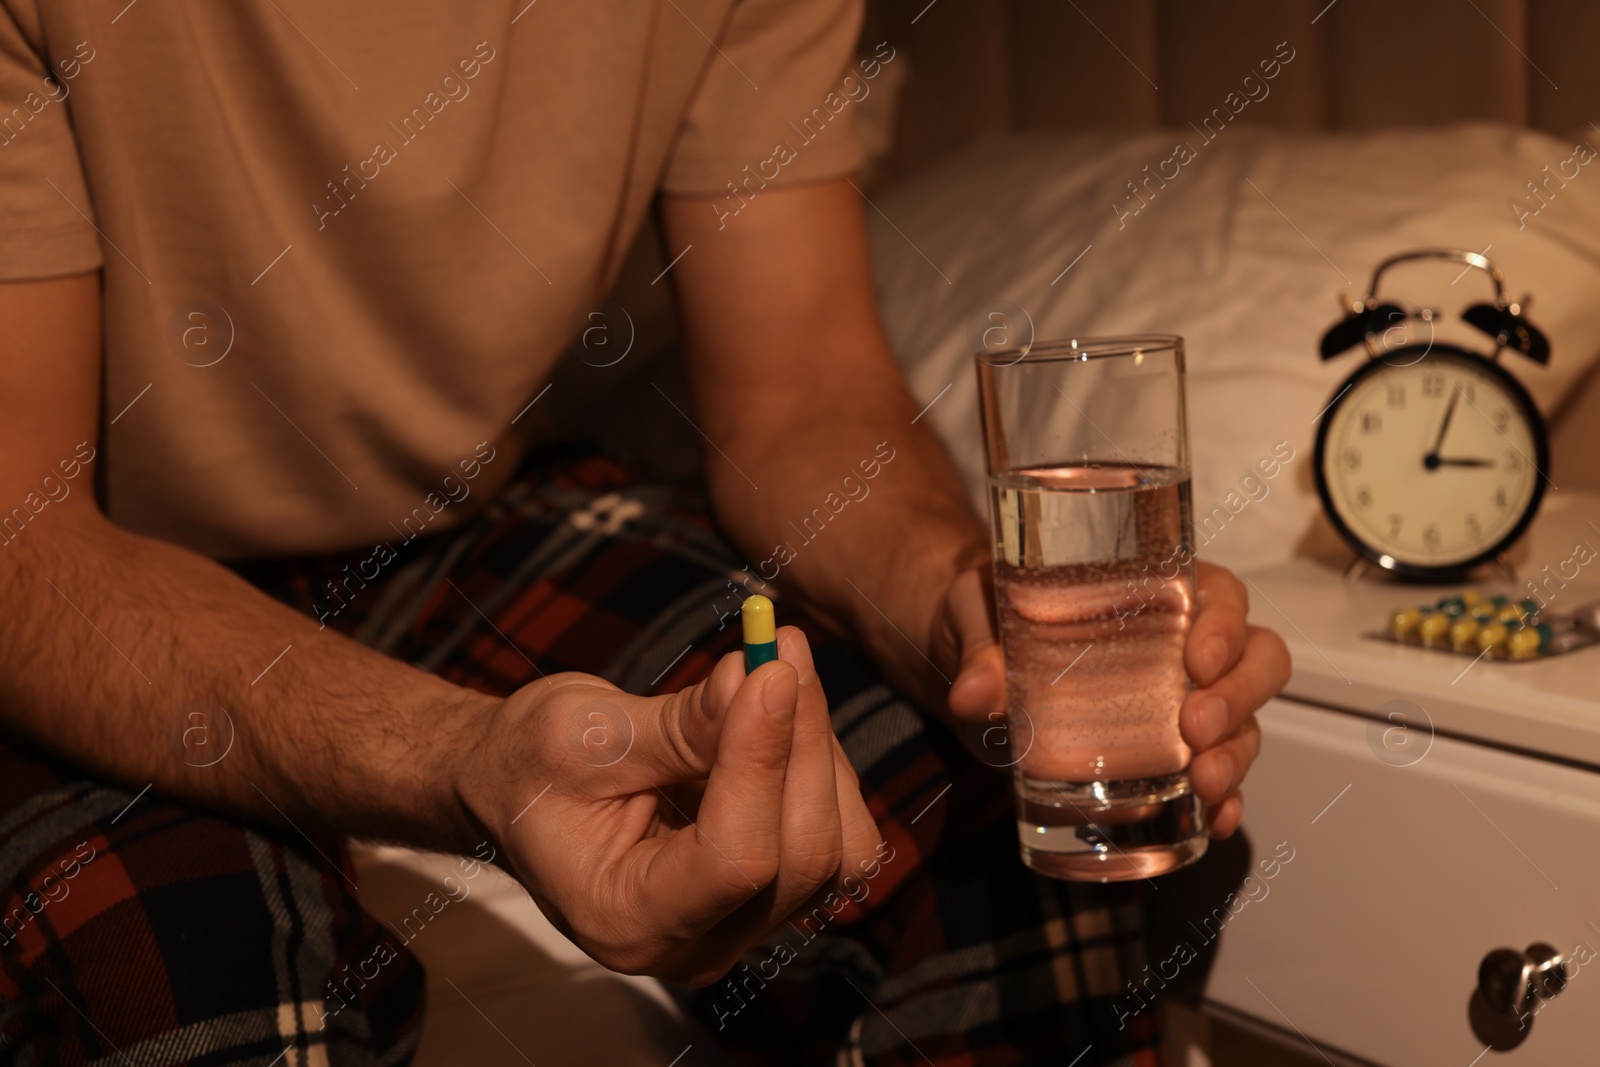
{"x": 1405, "y": 874}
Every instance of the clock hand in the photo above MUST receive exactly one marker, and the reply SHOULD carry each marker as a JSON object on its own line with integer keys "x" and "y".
{"x": 1441, "y": 461}
{"x": 1431, "y": 460}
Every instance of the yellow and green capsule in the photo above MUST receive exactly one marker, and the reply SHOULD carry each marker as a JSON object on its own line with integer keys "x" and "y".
{"x": 1493, "y": 637}
{"x": 1435, "y": 627}
{"x": 1404, "y": 623}
{"x": 760, "y": 632}
{"x": 1464, "y": 632}
{"x": 1528, "y": 642}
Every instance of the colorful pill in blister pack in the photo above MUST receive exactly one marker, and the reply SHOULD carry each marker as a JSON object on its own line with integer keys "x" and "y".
{"x": 1476, "y": 625}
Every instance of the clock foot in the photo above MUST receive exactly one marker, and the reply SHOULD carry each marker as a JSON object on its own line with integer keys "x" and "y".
{"x": 1508, "y": 570}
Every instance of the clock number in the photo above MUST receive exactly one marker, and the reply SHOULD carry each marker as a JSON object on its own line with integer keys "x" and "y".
{"x": 1502, "y": 419}
{"x": 1397, "y": 396}
{"x": 1474, "y": 530}
{"x": 1513, "y": 460}
{"x": 1394, "y": 525}
{"x": 1352, "y": 459}
{"x": 1430, "y": 536}
{"x": 1500, "y": 498}
{"x": 1433, "y": 384}
{"x": 1466, "y": 391}
{"x": 1371, "y": 422}
{"x": 1364, "y": 496}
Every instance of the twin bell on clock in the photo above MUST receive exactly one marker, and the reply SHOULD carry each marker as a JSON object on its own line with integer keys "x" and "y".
{"x": 1430, "y": 457}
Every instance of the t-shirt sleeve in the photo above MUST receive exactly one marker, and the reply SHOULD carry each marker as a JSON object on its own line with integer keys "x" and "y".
{"x": 777, "y": 95}
{"x": 45, "y": 215}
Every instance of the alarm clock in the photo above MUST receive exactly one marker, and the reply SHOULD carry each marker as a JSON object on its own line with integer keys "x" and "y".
{"x": 1430, "y": 458}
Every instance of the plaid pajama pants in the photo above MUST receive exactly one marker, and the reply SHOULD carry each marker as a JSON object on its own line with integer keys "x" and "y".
{"x": 184, "y": 938}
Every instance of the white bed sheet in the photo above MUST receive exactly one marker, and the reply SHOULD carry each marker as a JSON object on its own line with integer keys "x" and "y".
{"x": 1243, "y": 253}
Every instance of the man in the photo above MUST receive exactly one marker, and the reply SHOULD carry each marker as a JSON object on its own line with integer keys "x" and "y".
{"x": 283, "y": 281}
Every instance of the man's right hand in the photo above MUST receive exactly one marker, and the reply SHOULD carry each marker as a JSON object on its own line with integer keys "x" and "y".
{"x": 666, "y": 835}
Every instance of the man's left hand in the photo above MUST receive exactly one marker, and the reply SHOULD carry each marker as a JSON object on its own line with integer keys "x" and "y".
{"x": 1236, "y": 668}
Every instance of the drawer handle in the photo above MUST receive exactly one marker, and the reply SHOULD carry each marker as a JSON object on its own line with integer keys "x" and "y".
{"x": 1512, "y": 982}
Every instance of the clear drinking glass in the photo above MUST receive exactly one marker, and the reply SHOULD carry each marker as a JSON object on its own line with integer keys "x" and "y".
{"x": 1087, "y": 446}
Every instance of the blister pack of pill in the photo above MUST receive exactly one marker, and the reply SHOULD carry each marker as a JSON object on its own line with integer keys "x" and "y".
{"x": 1495, "y": 627}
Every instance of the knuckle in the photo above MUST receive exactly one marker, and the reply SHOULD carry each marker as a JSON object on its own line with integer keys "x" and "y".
{"x": 770, "y": 756}
{"x": 675, "y": 726}
{"x": 1263, "y": 645}
{"x": 1277, "y": 651}
{"x": 756, "y": 866}
{"x": 739, "y": 876}
{"x": 1271, "y": 637}
{"x": 1246, "y": 747}
{"x": 815, "y": 858}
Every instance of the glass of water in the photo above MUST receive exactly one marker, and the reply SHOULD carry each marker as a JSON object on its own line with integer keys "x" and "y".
{"x": 1087, "y": 447}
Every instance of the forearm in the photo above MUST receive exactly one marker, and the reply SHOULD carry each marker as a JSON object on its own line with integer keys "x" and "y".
{"x": 796, "y": 387}
{"x": 111, "y": 641}
{"x": 860, "y": 514}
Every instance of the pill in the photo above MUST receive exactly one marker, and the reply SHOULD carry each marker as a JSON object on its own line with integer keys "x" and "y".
{"x": 1492, "y": 636}
{"x": 760, "y": 632}
{"x": 1434, "y": 627}
{"x": 1529, "y": 641}
{"x": 1404, "y": 622}
{"x": 1523, "y": 642}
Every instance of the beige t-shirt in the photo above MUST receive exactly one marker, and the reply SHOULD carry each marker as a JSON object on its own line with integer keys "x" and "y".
{"x": 345, "y": 244}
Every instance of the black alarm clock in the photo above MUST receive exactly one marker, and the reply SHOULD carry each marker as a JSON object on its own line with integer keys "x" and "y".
{"x": 1430, "y": 459}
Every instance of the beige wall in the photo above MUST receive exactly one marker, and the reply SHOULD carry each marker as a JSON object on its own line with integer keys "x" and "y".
{"x": 993, "y": 66}
{"x": 1575, "y": 437}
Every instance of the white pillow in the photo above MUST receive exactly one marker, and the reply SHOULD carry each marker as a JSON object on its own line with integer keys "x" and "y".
{"x": 1243, "y": 253}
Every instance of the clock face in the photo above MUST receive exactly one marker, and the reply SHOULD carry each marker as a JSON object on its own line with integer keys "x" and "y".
{"x": 1433, "y": 462}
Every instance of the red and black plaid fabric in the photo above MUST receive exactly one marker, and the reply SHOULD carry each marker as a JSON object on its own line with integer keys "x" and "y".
{"x": 138, "y": 931}
{"x": 948, "y": 951}
{"x": 955, "y": 954}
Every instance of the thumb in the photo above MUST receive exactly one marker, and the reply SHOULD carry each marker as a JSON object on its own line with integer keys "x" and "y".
{"x": 979, "y": 688}
{"x": 675, "y": 738}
